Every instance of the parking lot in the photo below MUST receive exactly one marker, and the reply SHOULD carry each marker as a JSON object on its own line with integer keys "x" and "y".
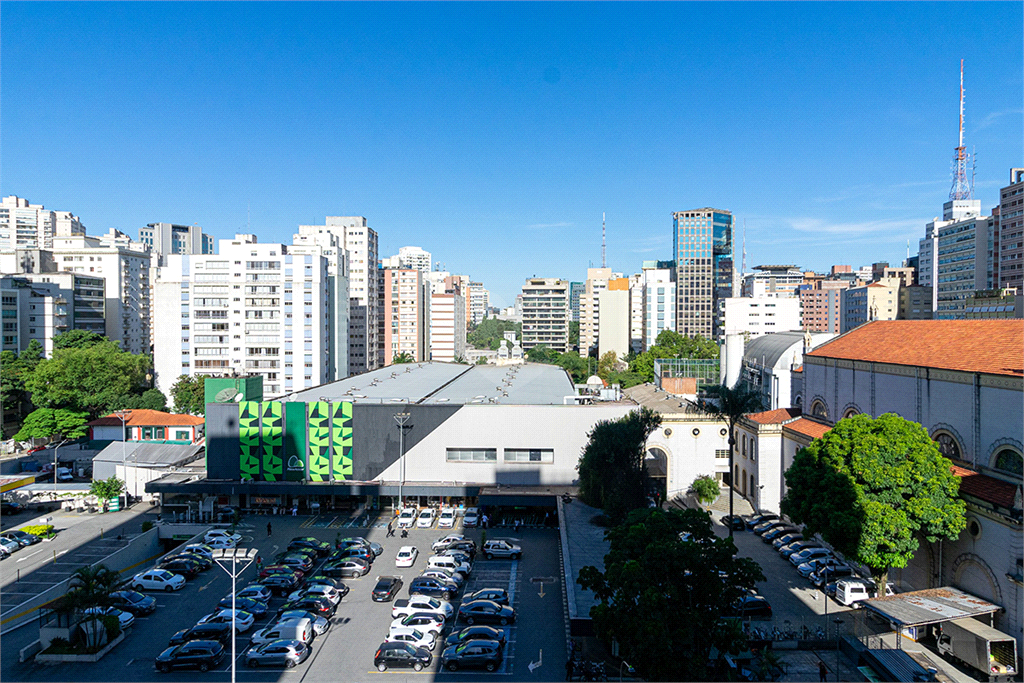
{"x": 346, "y": 651}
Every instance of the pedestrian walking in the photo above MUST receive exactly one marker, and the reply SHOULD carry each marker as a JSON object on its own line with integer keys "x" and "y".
{"x": 269, "y": 531}
{"x": 295, "y": 510}
{"x": 822, "y": 672}
{"x": 485, "y": 519}
{"x": 547, "y": 516}
{"x": 391, "y": 528}
{"x": 517, "y": 525}
{"x": 259, "y": 563}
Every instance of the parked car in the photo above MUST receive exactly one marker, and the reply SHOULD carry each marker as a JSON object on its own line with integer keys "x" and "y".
{"x": 134, "y": 602}
{"x": 425, "y": 519}
{"x": 735, "y": 521}
{"x": 311, "y": 604}
{"x": 220, "y": 534}
{"x": 255, "y": 591}
{"x": 124, "y": 619}
{"x": 785, "y": 539}
{"x": 776, "y": 532}
{"x": 386, "y": 589}
{"x": 158, "y": 580}
{"x": 476, "y": 654}
{"x": 462, "y": 556}
{"x": 444, "y": 574}
{"x": 243, "y": 620}
{"x": 199, "y": 549}
{"x": 811, "y": 566}
{"x": 851, "y": 591}
{"x": 286, "y": 653}
{"x": 798, "y": 558}
{"x": 322, "y": 548}
{"x": 421, "y": 603}
{"x": 765, "y": 527}
{"x": 9, "y": 545}
{"x": 471, "y": 518}
{"x": 499, "y": 547}
{"x": 498, "y": 595}
{"x": 298, "y": 629}
{"x": 834, "y": 573}
{"x": 360, "y": 551}
{"x": 295, "y": 561}
{"x": 478, "y": 632}
{"x": 23, "y": 538}
{"x": 352, "y": 566}
{"x": 4, "y": 553}
{"x": 486, "y": 612}
{"x": 401, "y": 655}
{"x": 413, "y": 636}
{"x": 446, "y": 542}
{"x": 9, "y": 507}
{"x": 189, "y": 570}
{"x": 221, "y": 543}
{"x": 754, "y": 520}
{"x": 434, "y": 587}
{"x": 196, "y": 654}
{"x": 317, "y": 591}
{"x": 221, "y": 632}
{"x": 201, "y": 561}
{"x": 797, "y": 546}
{"x": 376, "y": 548}
{"x": 424, "y": 621}
{"x": 282, "y": 570}
{"x": 753, "y": 607}
{"x": 308, "y": 553}
{"x": 406, "y": 518}
{"x": 451, "y": 563}
{"x": 250, "y": 605}
{"x": 467, "y": 547}
{"x": 280, "y": 583}
{"x": 446, "y": 520}
{"x": 320, "y": 624}
{"x": 320, "y": 580}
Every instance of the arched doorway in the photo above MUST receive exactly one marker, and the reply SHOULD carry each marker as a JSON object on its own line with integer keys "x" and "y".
{"x": 656, "y": 462}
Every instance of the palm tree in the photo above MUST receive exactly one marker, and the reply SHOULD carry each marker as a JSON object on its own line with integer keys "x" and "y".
{"x": 729, "y": 405}
{"x": 88, "y": 587}
{"x": 403, "y": 357}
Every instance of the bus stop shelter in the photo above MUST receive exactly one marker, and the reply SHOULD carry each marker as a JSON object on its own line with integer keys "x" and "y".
{"x": 911, "y": 612}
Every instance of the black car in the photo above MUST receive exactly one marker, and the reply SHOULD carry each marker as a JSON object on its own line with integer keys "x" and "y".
{"x": 772, "y": 534}
{"x": 133, "y": 602}
{"x": 797, "y": 546}
{"x": 475, "y": 633}
{"x": 220, "y": 632}
{"x": 197, "y": 654}
{"x": 189, "y": 570}
{"x": 320, "y": 580}
{"x": 433, "y": 586}
{"x": 486, "y": 612}
{"x": 322, "y": 548}
{"x": 752, "y": 606}
{"x": 765, "y": 527}
{"x": 786, "y": 539}
{"x": 9, "y": 507}
{"x": 253, "y": 607}
{"x": 475, "y": 654}
{"x": 498, "y": 595}
{"x": 201, "y": 561}
{"x": 361, "y": 552}
{"x": 318, "y": 606}
{"x": 376, "y": 548}
{"x": 352, "y": 566}
{"x": 23, "y": 538}
{"x": 402, "y": 655}
{"x": 754, "y": 520}
{"x": 280, "y": 583}
{"x": 386, "y": 589}
{"x": 735, "y": 521}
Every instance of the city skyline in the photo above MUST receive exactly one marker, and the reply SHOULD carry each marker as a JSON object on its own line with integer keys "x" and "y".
{"x": 827, "y": 130}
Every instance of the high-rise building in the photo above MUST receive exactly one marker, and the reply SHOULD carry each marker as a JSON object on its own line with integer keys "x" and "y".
{"x": 40, "y": 306}
{"x": 479, "y": 302}
{"x": 407, "y": 301}
{"x": 613, "y": 318}
{"x": 364, "y": 288}
{"x": 757, "y": 316}
{"x": 915, "y": 303}
{"x": 164, "y": 239}
{"x": 702, "y": 247}
{"x": 954, "y": 258}
{"x": 590, "y": 306}
{"x": 330, "y": 245}
{"x": 772, "y": 281}
{"x": 545, "y": 314}
{"x": 415, "y": 258}
{"x": 636, "y": 312}
{"x": 659, "y": 300}
{"x": 31, "y": 226}
{"x": 576, "y": 290}
{"x": 447, "y": 326}
{"x": 1010, "y": 236}
{"x": 821, "y": 306}
{"x": 251, "y": 309}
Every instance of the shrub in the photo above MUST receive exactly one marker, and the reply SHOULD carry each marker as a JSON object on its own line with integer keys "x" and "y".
{"x": 60, "y": 646}
{"x": 146, "y": 526}
{"x": 705, "y": 488}
{"x": 112, "y": 624}
{"x": 41, "y": 530}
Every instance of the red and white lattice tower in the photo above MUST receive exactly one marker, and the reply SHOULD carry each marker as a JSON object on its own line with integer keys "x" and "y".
{"x": 963, "y": 188}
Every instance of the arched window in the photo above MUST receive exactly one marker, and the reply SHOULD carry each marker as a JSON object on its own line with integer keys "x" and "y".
{"x": 948, "y": 446}
{"x": 735, "y": 475}
{"x": 818, "y": 409}
{"x": 752, "y": 487}
{"x": 1010, "y": 461}
{"x": 744, "y": 444}
{"x": 850, "y": 412}
{"x": 743, "y": 482}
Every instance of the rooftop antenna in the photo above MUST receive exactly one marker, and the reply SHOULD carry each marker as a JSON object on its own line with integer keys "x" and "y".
{"x": 604, "y": 262}
{"x": 248, "y": 212}
{"x": 962, "y": 188}
{"x": 743, "y": 266}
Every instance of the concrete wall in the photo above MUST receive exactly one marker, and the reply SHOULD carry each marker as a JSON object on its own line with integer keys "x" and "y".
{"x": 689, "y": 455}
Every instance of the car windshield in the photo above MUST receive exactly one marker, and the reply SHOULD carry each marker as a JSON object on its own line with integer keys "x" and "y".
{"x": 162, "y": 575}
{"x": 433, "y": 603}
{"x": 418, "y": 635}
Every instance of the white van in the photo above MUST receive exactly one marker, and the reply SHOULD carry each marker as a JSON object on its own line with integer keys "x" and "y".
{"x": 850, "y": 591}
{"x": 301, "y": 630}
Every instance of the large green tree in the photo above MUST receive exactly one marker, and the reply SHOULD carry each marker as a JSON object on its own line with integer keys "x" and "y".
{"x": 150, "y": 399}
{"x": 15, "y": 369}
{"x": 403, "y": 357}
{"x": 42, "y": 423}
{"x": 613, "y": 476}
{"x": 729, "y": 405}
{"x": 671, "y": 344}
{"x": 870, "y": 486}
{"x": 489, "y": 333}
{"x": 93, "y": 378}
{"x": 188, "y": 395}
{"x": 662, "y": 598}
{"x": 77, "y": 339}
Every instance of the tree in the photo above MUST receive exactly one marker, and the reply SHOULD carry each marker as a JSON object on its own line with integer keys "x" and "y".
{"x": 625, "y": 379}
{"x": 89, "y": 587}
{"x": 90, "y": 379}
{"x": 77, "y": 339}
{"x": 482, "y": 360}
{"x": 403, "y": 357}
{"x": 542, "y": 353}
{"x": 705, "y": 489}
{"x": 657, "y": 588}
{"x": 576, "y": 366}
{"x": 612, "y": 472}
{"x": 729, "y": 405}
{"x": 188, "y": 395}
{"x": 42, "y": 423}
{"x": 14, "y": 370}
{"x": 870, "y": 485}
{"x": 150, "y": 399}
{"x": 606, "y": 364}
{"x": 574, "y": 334}
{"x": 105, "y": 489}
{"x": 459, "y": 359}
{"x": 489, "y": 333}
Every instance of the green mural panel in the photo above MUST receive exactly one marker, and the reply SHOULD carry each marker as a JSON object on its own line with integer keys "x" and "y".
{"x": 341, "y": 441}
{"x": 295, "y": 441}
{"x": 249, "y": 439}
{"x": 319, "y": 441}
{"x": 272, "y": 441}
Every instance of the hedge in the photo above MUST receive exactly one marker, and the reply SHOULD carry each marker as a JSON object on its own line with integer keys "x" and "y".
{"x": 41, "y": 530}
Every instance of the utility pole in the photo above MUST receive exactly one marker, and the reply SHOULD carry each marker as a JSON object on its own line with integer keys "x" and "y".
{"x": 401, "y": 419}
{"x": 222, "y": 556}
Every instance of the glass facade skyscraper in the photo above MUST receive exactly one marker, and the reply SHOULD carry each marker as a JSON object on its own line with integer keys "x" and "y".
{"x": 702, "y": 245}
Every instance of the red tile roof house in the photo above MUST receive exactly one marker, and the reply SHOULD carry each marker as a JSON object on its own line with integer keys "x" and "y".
{"x": 148, "y": 425}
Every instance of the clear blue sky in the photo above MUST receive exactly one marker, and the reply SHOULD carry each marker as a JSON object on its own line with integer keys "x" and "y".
{"x": 494, "y": 135}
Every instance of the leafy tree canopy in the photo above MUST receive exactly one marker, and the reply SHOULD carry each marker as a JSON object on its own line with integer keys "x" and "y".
{"x": 574, "y": 333}
{"x": 705, "y": 488}
{"x": 870, "y": 486}
{"x": 403, "y": 357}
{"x": 659, "y": 590}
{"x": 105, "y": 489}
{"x": 150, "y": 399}
{"x": 671, "y": 344}
{"x": 606, "y": 364}
{"x": 15, "y": 369}
{"x": 489, "y": 333}
{"x": 612, "y": 472}
{"x": 42, "y": 423}
{"x": 77, "y": 339}
{"x": 188, "y": 395}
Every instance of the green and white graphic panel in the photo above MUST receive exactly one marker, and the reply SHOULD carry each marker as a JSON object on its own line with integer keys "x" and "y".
{"x": 341, "y": 441}
{"x": 249, "y": 439}
{"x": 319, "y": 441}
{"x": 273, "y": 440}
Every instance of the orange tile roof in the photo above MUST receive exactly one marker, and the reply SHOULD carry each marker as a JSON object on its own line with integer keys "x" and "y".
{"x": 985, "y": 488}
{"x": 148, "y": 418}
{"x": 994, "y": 347}
{"x": 774, "y": 417}
{"x": 810, "y": 428}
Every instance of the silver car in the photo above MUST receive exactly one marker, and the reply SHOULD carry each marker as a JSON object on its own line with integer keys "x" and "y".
{"x": 320, "y": 624}
{"x": 501, "y": 548}
{"x": 286, "y": 653}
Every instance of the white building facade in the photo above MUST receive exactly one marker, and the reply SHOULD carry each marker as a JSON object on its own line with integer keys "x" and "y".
{"x": 32, "y": 226}
{"x": 757, "y": 316}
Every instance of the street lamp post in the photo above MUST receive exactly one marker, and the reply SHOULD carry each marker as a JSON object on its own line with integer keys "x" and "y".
{"x": 235, "y": 556}
{"x": 629, "y": 668}
{"x": 401, "y": 419}
{"x": 121, "y": 415}
{"x": 55, "y": 466}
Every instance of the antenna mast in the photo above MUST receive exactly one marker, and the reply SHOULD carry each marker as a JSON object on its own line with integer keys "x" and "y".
{"x": 743, "y": 266}
{"x": 962, "y": 188}
{"x": 604, "y": 262}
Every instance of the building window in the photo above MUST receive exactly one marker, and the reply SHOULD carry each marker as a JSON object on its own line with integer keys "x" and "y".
{"x": 149, "y": 433}
{"x": 948, "y": 445}
{"x": 542, "y": 455}
{"x": 818, "y": 409}
{"x": 472, "y": 454}
{"x": 1009, "y": 461}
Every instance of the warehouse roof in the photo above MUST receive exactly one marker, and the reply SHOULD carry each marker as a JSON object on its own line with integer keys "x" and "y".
{"x": 148, "y": 453}
{"x": 930, "y": 606}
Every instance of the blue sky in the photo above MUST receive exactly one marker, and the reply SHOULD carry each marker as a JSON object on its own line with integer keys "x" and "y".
{"x": 495, "y": 135}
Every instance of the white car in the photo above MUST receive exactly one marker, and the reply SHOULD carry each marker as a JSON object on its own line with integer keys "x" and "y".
{"x": 222, "y": 543}
{"x": 9, "y": 544}
{"x": 199, "y": 549}
{"x": 413, "y": 636}
{"x": 471, "y": 518}
{"x": 447, "y": 519}
{"x": 216, "y": 534}
{"x": 407, "y": 518}
{"x": 445, "y": 541}
{"x": 407, "y": 555}
{"x": 158, "y": 580}
{"x": 422, "y": 621}
{"x": 317, "y": 591}
{"x": 422, "y": 603}
{"x": 425, "y": 520}
{"x": 243, "y": 619}
{"x": 125, "y": 619}
{"x": 445, "y": 575}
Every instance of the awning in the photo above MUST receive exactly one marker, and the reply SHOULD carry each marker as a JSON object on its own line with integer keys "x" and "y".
{"x": 930, "y": 606}
{"x": 9, "y": 483}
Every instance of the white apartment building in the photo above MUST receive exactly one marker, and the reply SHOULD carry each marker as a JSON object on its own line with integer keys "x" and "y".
{"x": 659, "y": 301}
{"x": 447, "y": 326}
{"x": 407, "y": 303}
{"x": 877, "y": 301}
{"x": 479, "y": 302}
{"x": 31, "y": 226}
{"x": 772, "y": 281}
{"x": 545, "y": 313}
{"x": 761, "y": 315}
{"x": 168, "y": 238}
{"x": 330, "y": 246}
{"x": 364, "y": 290}
{"x": 40, "y": 306}
{"x": 636, "y": 312}
{"x": 415, "y": 258}
{"x": 590, "y": 306}
{"x": 614, "y": 319}
{"x": 251, "y": 309}
{"x": 954, "y": 257}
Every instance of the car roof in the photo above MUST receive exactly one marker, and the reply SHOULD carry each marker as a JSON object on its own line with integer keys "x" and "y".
{"x": 407, "y": 549}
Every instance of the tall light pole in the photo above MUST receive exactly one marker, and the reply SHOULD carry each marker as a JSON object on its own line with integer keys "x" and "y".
{"x": 401, "y": 419}
{"x": 64, "y": 441}
{"x": 121, "y": 415}
{"x": 236, "y": 556}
